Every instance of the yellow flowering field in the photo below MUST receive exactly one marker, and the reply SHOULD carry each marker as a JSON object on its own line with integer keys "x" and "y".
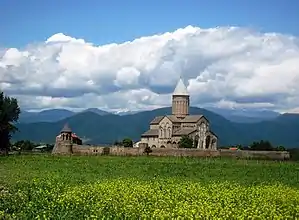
{"x": 48, "y": 187}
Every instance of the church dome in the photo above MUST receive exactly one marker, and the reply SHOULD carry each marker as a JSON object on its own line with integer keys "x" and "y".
{"x": 180, "y": 89}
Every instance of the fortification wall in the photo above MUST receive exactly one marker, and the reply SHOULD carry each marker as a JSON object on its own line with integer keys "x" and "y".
{"x": 273, "y": 155}
{"x": 184, "y": 152}
{"x": 179, "y": 152}
{"x": 122, "y": 151}
{"x": 87, "y": 150}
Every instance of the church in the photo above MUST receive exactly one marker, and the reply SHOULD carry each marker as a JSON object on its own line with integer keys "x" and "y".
{"x": 166, "y": 131}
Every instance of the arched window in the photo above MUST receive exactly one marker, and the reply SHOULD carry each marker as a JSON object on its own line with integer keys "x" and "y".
{"x": 213, "y": 145}
{"x": 169, "y": 132}
{"x": 166, "y": 130}
{"x": 161, "y": 132}
{"x": 195, "y": 141}
{"x": 208, "y": 141}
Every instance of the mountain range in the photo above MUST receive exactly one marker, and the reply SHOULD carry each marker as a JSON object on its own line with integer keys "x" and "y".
{"x": 245, "y": 115}
{"x": 53, "y": 115}
{"x": 100, "y": 127}
{"x": 234, "y": 115}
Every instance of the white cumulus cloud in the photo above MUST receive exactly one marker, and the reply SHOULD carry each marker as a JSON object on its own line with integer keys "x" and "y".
{"x": 225, "y": 67}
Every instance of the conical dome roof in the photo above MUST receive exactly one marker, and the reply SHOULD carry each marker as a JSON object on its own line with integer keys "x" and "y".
{"x": 66, "y": 129}
{"x": 180, "y": 88}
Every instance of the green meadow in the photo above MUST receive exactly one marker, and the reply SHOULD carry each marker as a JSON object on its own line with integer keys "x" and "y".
{"x": 110, "y": 187}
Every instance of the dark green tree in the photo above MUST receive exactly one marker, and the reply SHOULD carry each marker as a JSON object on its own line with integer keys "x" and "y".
{"x": 25, "y": 145}
{"x": 280, "y": 148}
{"x": 147, "y": 150}
{"x": 50, "y": 147}
{"x": 117, "y": 143}
{"x": 240, "y": 147}
{"x": 261, "y": 146}
{"x": 127, "y": 142}
{"x": 186, "y": 142}
{"x": 9, "y": 114}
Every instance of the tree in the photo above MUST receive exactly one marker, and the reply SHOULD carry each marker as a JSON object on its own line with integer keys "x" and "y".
{"x": 50, "y": 147}
{"x": 127, "y": 142}
{"x": 239, "y": 146}
{"x": 117, "y": 143}
{"x": 9, "y": 114}
{"x": 280, "y": 148}
{"x": 186, "y": 142}
{"x": 147, "y": 150}
{"x": 261, "y": 146}
{"x": 25, "y": 145}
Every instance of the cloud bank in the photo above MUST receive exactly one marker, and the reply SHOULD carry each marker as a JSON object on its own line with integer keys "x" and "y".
{"x": 228, "y": 67}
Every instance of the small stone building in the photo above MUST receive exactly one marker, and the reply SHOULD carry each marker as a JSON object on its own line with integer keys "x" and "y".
{"x": 166, "y": 131}
{"x": 65, "y": 140}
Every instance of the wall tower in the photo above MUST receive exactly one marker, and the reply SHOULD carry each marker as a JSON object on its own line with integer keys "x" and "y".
{"x": 64, "y": 142}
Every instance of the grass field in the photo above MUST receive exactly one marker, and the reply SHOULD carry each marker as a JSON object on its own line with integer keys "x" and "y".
{"x": 90, "y": 187}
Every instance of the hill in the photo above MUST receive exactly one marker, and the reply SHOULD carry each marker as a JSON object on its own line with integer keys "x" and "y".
{"x": 97, "y": 111}
{"x": 53, "y": 115}
{"x": 245, "y": 115}
{"x": 105, "y": 129}
{"x": 283, "y": 130}
{"x": 45, "y": 116}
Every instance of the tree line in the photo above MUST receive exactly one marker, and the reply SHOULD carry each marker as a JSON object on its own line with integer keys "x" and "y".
{"x": 126, "y": 142}
{"x": 262, "y": 145}
{"x": 26, "y": 145}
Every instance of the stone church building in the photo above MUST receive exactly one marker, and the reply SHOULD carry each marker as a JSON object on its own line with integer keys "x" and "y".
{"x": 65, "y": 141}
{"x": 166, "y": 131}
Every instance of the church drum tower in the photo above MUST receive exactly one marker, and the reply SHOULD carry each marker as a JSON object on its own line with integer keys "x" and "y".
{"x": 180, "y": 100}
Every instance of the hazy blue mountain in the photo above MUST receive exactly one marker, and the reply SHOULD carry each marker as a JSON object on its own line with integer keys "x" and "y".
{"x": 105, "y": 129}
{"x": 127, "y": 113}
{"x": 97, "y": 111}
{"x": 245, "y": 115}
{"x": 53, "y": 115}
{"x": 50, "y": 115}
{"x": 234, "y": 115}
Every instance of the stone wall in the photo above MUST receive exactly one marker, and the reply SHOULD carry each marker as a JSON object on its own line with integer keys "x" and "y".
{"x": 87, "y": 150}
{"x": 272, "y": 155}
{"x": 122, "y": 151}
{"x": 99, "y": 150}
{"x": 179, "y": 152}
{"x": 184, "y": 152}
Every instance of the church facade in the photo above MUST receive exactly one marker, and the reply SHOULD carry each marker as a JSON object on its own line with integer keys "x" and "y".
{"x": 166, "y": 131}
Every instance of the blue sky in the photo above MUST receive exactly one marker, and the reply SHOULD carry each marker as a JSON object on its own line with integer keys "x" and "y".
{"x": 214, "y": 68}
{"x": 107, "y": 21}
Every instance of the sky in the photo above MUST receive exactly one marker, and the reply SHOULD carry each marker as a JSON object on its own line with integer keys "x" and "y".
{"x": 128, "y": 55}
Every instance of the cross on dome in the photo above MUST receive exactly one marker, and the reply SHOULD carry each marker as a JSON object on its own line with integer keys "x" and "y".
{"x": 180, "y": 88}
